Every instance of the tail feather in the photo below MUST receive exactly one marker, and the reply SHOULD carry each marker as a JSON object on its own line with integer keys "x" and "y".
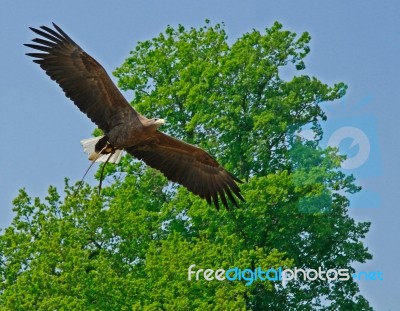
{"x": 89, "y": 144}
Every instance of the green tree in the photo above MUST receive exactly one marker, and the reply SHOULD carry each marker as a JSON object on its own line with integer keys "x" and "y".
{"x": 130, "y": 249}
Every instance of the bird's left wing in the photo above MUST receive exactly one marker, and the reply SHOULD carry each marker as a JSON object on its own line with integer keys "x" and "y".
{"x": 189, "y": 166}
{"x": 81, "y": 77}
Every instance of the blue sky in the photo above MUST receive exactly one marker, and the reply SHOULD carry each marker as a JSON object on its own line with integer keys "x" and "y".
{"x": 357, "y": 44}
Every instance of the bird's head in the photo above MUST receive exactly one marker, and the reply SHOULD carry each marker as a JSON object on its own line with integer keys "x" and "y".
{"x": 154, "y": 123}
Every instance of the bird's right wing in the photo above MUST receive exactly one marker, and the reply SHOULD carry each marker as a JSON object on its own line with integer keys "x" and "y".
{"x": 81, "y": 77}
{"x": 189, "y": 166}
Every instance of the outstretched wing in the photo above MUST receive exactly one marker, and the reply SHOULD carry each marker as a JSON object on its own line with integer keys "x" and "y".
{"x": 189, "y": 166}
{"x": 81, "y": 77}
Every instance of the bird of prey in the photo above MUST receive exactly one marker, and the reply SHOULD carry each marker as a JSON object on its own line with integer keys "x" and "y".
{"x": 87, "y": 84}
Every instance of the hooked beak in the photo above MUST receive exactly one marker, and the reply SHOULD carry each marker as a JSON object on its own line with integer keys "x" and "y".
{"x": 160, "y": 121}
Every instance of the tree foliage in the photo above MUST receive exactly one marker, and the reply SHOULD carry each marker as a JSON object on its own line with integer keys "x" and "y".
{"x": 130, "y": 248}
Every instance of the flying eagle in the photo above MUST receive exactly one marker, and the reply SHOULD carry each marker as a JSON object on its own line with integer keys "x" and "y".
{"x": 87, "y": 84}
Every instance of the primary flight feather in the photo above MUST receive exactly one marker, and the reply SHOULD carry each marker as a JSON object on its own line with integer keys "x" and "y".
{"x": 87, "y": 84}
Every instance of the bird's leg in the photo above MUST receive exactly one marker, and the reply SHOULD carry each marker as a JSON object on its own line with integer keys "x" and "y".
{"x": 102, "y": 170}
{"x": 91, "y": 164}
